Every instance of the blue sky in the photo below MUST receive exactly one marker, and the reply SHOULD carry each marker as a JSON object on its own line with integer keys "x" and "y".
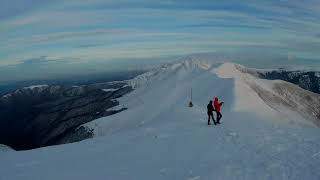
{"x": 100, "y": 31}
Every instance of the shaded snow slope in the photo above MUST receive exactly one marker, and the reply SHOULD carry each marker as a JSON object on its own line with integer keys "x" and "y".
{"x": 160, "y": 137}
{"x": 277, "y": 99}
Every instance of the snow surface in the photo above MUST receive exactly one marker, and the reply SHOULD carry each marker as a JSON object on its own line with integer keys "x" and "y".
{"x": 160, "y": 137}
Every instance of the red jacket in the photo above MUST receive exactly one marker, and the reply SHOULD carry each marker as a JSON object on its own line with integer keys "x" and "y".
{"x": 217, "y": 105}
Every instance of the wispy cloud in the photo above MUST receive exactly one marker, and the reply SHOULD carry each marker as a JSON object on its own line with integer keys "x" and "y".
{"x": 101, "y": 30}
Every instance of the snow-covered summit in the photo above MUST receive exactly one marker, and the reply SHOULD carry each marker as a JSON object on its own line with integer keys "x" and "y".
{"x": 33, "y": 88}
{"x": 170, "y": 68}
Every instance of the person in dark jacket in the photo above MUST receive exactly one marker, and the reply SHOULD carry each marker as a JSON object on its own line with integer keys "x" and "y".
{"x": 217, "y": 106}
{"x": 210, "y": 113}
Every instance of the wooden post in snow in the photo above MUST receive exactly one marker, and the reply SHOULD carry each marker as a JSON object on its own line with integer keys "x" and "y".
{"x": 190, "y": 103}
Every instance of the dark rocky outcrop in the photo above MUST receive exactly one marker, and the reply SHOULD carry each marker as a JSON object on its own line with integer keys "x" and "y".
{"x": 39, "y": 116}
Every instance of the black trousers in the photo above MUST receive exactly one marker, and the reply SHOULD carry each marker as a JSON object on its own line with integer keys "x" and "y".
{"x": 210, "y": 114}
{"x": 219, "y": 116}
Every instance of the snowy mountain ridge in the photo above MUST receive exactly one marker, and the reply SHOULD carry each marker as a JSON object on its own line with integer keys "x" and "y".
{"x": 275, "y": 100}
{"x": 275, "y": 97}
{"x": 160, "y": 137}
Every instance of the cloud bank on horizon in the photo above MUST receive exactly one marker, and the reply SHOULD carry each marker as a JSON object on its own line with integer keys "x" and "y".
{"x": 105, "y": 31}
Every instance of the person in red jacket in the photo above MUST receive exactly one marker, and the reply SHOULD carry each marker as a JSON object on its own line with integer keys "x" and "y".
{"x": 217, "y": 107}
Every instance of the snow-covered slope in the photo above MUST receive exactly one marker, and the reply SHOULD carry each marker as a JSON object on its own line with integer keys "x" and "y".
{"x": 160, "y": 137}
{"x": 279, "y": 100}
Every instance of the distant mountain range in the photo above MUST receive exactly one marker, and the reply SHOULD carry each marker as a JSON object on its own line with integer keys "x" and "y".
{"x": 309, "y": 80}
{"x": 7, "y": 87}
{"x": 43, "y": 115}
